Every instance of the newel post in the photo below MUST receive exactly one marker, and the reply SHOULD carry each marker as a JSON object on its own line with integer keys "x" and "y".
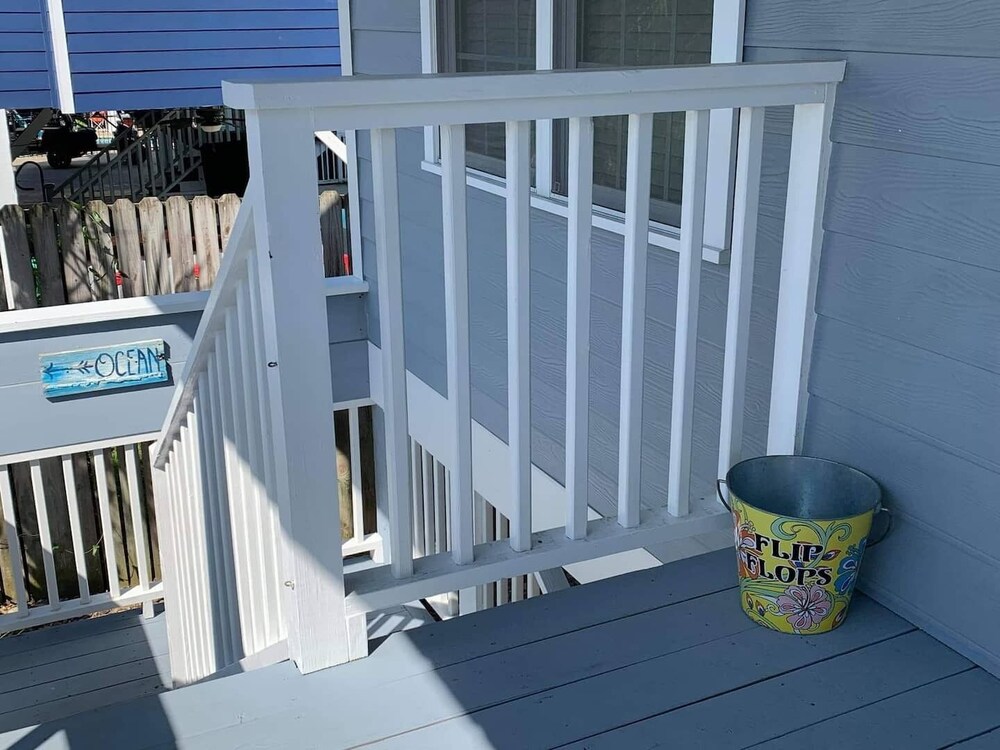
{"x": 297, "y": 362}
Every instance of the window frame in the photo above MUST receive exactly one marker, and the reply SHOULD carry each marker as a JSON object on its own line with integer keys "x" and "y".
{"x": 728, "y": 18}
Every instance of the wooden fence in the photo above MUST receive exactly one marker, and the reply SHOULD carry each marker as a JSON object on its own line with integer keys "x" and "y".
{"x": 66, "y": 253}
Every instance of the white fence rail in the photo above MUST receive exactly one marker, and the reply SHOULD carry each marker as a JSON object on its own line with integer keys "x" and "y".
{"x": 449, "y": 103}
{"x": 79, "y": 533}
{"x": 263, "y": 347}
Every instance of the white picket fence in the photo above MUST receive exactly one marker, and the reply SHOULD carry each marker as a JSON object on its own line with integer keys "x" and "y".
{"x": 263, "y": 343}
{"x": 107, "y": 547}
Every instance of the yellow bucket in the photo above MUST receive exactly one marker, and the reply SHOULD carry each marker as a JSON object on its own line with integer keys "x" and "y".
{"x": 801, "y": 527}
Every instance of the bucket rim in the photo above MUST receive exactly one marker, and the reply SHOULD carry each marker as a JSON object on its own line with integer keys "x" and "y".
{"x": 875, "y": 510}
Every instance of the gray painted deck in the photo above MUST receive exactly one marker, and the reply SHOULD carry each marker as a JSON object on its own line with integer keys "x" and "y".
{"x": 657, "y": 657}
{"x": 52, "y": 673}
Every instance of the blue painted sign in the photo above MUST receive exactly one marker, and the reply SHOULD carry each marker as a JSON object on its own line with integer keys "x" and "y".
{"x": 104, "y": 368}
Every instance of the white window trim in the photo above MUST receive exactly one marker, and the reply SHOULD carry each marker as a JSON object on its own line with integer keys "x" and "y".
{"x": 727, "y": 47}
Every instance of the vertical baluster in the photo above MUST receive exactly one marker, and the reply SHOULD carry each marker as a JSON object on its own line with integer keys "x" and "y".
{"x": 503, "y": 529}
{"x": 219, "y": 581}
{"x": 212, "y": 636}
{"x": 390, "y": 299}
{"x": 688, "y": 299}
{"x": 107, "y": 529}
{"x": 168, "y": 560}
{"x": 76, "y": 533}
{"x": 581, "y": 199}
{"x": 259, "y": 369}
{"x": 237, "y": 510}
{"x": 227, "y": 530}
{"x": 441, "y": 507}
{"x": 138, "y": 521}
{"x": 45, "y": 535}
{"x": 800, "y": 246}
{"x": 189, "y": 564}
{"x": 430, "y": 521}
{"x": 741, "y": 264}
{"x": 637, "y": 186}
{"x": 268, "y": 583}
{"x": 518, "y": 330}
{"x": 13, "y": 540}
{"x": 357, "y": 491}
{"x": 193, "y": 569}
{"x": 247, "y": 493}
{"x": 179, "y": 605}
{"x": 416, "y": 482}
{"x": 456, "y": 306}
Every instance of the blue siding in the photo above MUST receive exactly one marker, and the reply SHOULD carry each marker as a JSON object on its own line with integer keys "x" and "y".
{"x": 24, "y": 68}
{"x": 177, "y": 52}
{"x": 906, "y": 362}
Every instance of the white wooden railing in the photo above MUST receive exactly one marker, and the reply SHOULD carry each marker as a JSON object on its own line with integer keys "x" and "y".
{"x": 250, "y": 428}
{"x": 78, "y": 532}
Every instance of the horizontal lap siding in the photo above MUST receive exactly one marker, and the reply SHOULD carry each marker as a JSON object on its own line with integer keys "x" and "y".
{"x": 385, "y": 47}
{"x": 24, "y": 69}
{"x": 177, "y": 52}
{"x": 906, "y": 361}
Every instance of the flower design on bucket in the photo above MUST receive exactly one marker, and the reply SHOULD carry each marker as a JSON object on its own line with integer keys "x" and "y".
{"x": 847, "y": 572}
{"x": 805, "y": 606}
{"x": 743, "y": 533}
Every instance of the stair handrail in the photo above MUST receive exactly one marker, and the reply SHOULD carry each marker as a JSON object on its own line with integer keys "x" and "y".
{"x": 114, "y": 145}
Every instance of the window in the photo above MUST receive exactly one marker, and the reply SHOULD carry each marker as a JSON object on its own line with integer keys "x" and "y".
{"x": 486, "y": 36}
{"x": 635, "y": 33}
{"x": 500, "y": 35}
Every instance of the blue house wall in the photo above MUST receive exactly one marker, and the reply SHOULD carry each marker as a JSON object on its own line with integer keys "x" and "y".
{"x": 25, "y": 82}
{"x": 164, "y": 53}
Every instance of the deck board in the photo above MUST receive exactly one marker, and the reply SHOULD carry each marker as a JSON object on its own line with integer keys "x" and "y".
{"x": 660, "y": 656}
{"x": 56, "y": 672}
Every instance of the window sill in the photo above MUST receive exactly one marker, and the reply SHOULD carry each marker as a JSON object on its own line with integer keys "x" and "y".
{"x": 660, "y": 235}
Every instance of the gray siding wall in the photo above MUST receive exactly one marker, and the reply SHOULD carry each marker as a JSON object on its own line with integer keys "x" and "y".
{"x": 386, "y": 40}
{"x": 29, "y": 421}
{"x": 905, "y": 380}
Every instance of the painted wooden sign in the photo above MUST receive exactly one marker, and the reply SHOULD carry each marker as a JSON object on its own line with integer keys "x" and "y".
{"x": 104, "y": 368}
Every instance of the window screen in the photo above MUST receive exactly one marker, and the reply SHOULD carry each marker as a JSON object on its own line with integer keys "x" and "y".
{"x": 487, "y": 36}
{"x": 635, "y": 33}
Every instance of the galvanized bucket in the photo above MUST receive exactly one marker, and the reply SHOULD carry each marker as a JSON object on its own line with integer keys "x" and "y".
{"x": 801, "y": 527}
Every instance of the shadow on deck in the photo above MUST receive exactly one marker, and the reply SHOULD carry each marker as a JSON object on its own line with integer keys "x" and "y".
{"x": 660, "y": 657}
{"x": 51, "y": 674}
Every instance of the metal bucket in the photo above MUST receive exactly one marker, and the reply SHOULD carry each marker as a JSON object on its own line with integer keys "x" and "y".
{"x": 801, "y": 527}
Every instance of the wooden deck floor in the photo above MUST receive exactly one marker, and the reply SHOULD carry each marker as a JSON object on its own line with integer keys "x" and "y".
{"x": 55, "y": 672}
{"x": 658, "y": 658}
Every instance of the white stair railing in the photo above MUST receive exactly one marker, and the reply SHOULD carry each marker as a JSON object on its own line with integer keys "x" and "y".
{"x": 381, "y": 105}
{"x": 223, "y": 594}
{"x": 249, "y": 437}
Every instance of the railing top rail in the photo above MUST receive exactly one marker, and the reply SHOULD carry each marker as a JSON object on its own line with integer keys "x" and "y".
{"x": 405, "y": 101}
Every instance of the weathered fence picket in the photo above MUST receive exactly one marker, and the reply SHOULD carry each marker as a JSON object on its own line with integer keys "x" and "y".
{"x": 68, "y": 253}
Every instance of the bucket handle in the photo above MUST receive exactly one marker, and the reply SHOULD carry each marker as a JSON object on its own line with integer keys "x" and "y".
{"x": 722, "y": 498}
{"x": 879, "y": 512}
